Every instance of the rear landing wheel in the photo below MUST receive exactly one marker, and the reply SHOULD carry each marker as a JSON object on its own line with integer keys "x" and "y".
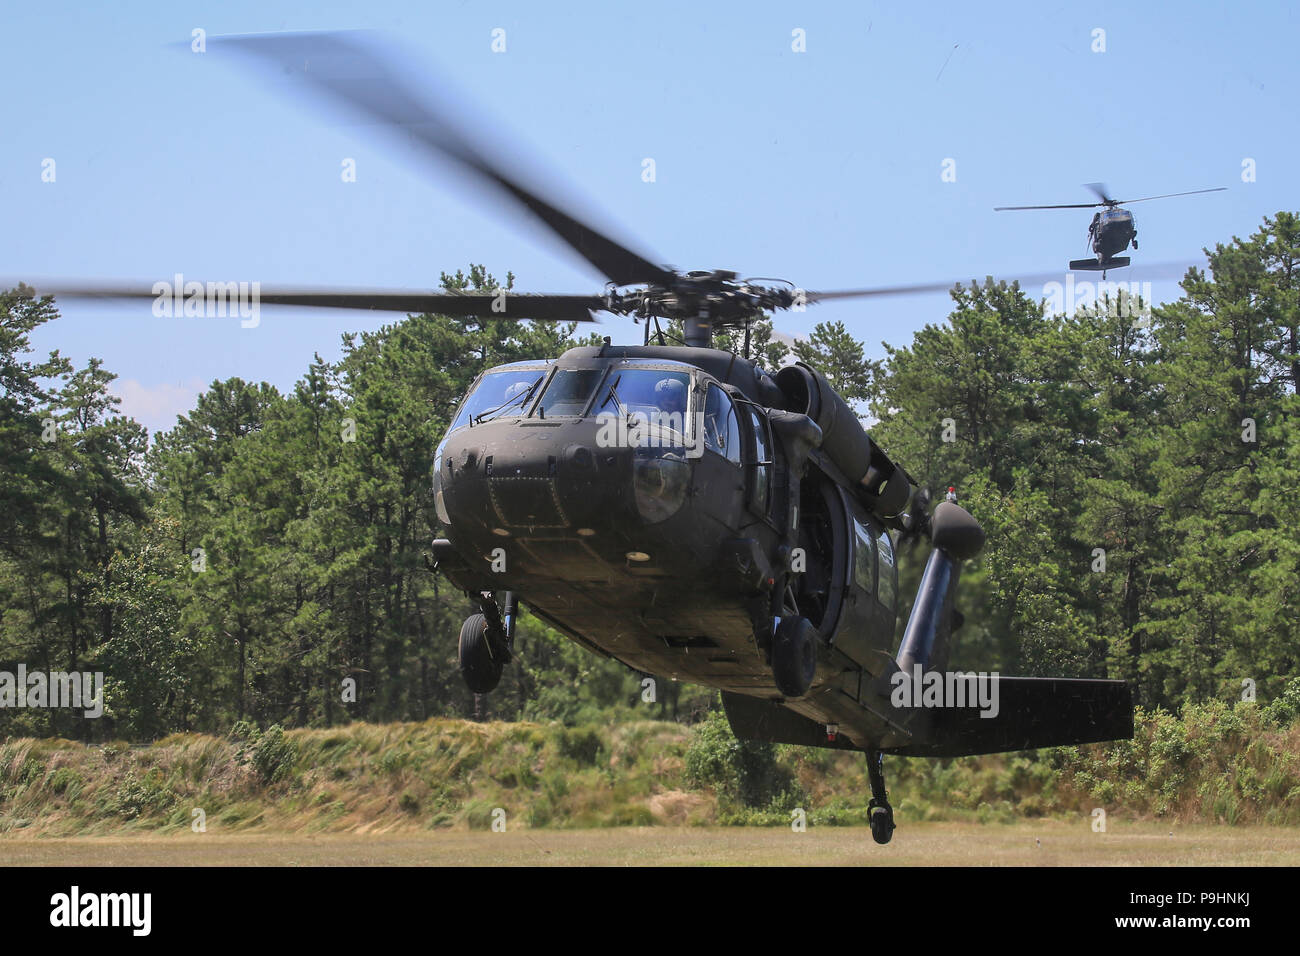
{"x": 882, "y": 822}
{"x": 478, "y": 665}
{"x": 881, "y": 813}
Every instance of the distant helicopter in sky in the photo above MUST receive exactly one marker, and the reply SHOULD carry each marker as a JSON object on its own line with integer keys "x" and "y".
{"x": 1112, "y": 227}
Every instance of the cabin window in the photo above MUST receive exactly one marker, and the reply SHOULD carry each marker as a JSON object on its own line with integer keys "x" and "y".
{"x": 888, "y": 584}
{"x": 503, "y": 391}
{"x": 864, "y": 559}
{"x": 721, "y": 429}
{"x": 762, "y": 459}
{"x": 569, "y": 392}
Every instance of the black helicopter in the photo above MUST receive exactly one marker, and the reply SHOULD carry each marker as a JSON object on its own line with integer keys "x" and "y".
{"x": 683, "y": 510}
{"x": 1112, "y": 227}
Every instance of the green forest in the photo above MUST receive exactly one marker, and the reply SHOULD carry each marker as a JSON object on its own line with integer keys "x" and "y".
{"x": 1134, "y": 468}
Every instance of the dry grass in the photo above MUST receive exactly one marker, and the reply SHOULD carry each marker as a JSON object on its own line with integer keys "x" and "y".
{"x": 915, "y": 844}
{"x": 1214, "y": 765}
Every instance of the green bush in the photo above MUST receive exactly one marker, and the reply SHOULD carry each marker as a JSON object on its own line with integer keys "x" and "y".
{"x": 270, "y": 752}
{"x": 1286, "y": 708}
{"x": 65, "y": 780}
{"x": 581, "y": 744}
{"x": 739, "y": 771}
{"x": 136, "y": 797}
{"x": 274, "y": 755}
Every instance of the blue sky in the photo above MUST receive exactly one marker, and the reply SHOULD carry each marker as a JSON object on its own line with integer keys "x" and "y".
{"x": 823, "y": 167}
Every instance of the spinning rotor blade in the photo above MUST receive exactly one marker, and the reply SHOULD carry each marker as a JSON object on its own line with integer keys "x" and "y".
{"x": 562, "y": 308}
{"x": 1150, "y": 271}
{"x": 350, "y": 69}
{"x": 1071, "y": 205}
{"x": 811, "y": 297}
{"x": 1193, "y": 192}
{"x": 1100, "y": 190}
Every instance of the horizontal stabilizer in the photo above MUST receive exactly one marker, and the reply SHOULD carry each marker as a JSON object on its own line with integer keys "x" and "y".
{"x": 1032, "y": 712}
{"x": 1092, "y": 265}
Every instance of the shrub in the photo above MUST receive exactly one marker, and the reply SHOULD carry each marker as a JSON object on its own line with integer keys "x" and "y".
{"x": 274, "y": 755}
{"x": 1286, "y": 708}
{"x": 136, "y": 797}
{"x": 581, "y": 744}
{"x": 742, "y": 771}
{"x": 65, "y": 779}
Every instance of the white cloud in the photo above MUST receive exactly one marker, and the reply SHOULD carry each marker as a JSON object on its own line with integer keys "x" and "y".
{"x": 156, "y": 406}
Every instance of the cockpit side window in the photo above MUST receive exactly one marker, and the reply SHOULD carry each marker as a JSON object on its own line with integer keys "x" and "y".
{"x": 721, "y": 428}
{"x": 500, "y": 392}
{"x": 864, "y": 558}
{"x": 762, "y": 460}
{"x": 887, "y": 584}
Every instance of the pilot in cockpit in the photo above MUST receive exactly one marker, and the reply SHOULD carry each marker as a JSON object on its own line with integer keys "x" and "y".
{"x": 670, "y": 396}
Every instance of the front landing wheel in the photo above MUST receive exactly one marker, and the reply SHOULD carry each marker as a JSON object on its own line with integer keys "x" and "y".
{"x": 480, "y": 667}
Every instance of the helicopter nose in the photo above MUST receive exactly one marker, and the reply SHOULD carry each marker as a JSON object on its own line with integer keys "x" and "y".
{"x": 508, "y": 482}
{"x": 511, "y": 479}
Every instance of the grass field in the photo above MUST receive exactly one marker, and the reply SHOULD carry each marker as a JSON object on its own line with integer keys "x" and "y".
{"x": 915, "y": 844}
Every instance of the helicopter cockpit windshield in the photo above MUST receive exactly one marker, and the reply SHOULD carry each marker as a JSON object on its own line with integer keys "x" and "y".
{"x": 569, "y": 392}
{"x": 654, "y": 395}
{"x": 501, "y": 391}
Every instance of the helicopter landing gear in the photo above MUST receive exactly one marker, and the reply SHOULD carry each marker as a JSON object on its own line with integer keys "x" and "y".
{"x": 478, "y": 665}
{"x": 486, "y": 642}
{"x": 794, "y": 655}
{"x": 882, "y": 814}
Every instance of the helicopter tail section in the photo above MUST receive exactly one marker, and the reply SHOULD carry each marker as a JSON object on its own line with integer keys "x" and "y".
{"x": 927, "y": 639}
{"x": 955, "y": 715}
{"x": 1006, "y": 714}
{"x": 1025, "y": 713}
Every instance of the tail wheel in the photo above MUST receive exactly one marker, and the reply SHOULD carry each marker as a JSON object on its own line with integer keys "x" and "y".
{"x": 481, "y": 670}
{"x": 882, "y": 822}
{"x": 794, "y": 656}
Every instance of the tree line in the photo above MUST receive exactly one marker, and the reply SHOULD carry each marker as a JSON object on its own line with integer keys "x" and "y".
{"x": 267, "y": 558}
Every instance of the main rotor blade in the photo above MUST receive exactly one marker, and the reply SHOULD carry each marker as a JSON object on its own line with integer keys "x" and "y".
{"x": 1100, "y": 190}
{"x": 811, "y": 297}
{"x": 1071, "y": 205}
{"x": 1193, "y": 192}
{"x": 504, "y": 305}
{"x": 1154, "y": 271}
{"x": 349, "y": 69}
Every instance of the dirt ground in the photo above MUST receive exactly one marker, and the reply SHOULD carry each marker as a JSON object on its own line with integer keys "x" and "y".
{"x": 1045, "y": 843}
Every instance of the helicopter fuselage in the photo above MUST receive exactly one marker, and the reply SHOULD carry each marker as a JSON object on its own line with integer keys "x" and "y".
{"x": 1111, "y": 232}
{"x": 644, "y": 501}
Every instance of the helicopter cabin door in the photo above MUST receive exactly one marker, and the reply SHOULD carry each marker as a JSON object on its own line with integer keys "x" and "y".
{"x": 866, "y": 625}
